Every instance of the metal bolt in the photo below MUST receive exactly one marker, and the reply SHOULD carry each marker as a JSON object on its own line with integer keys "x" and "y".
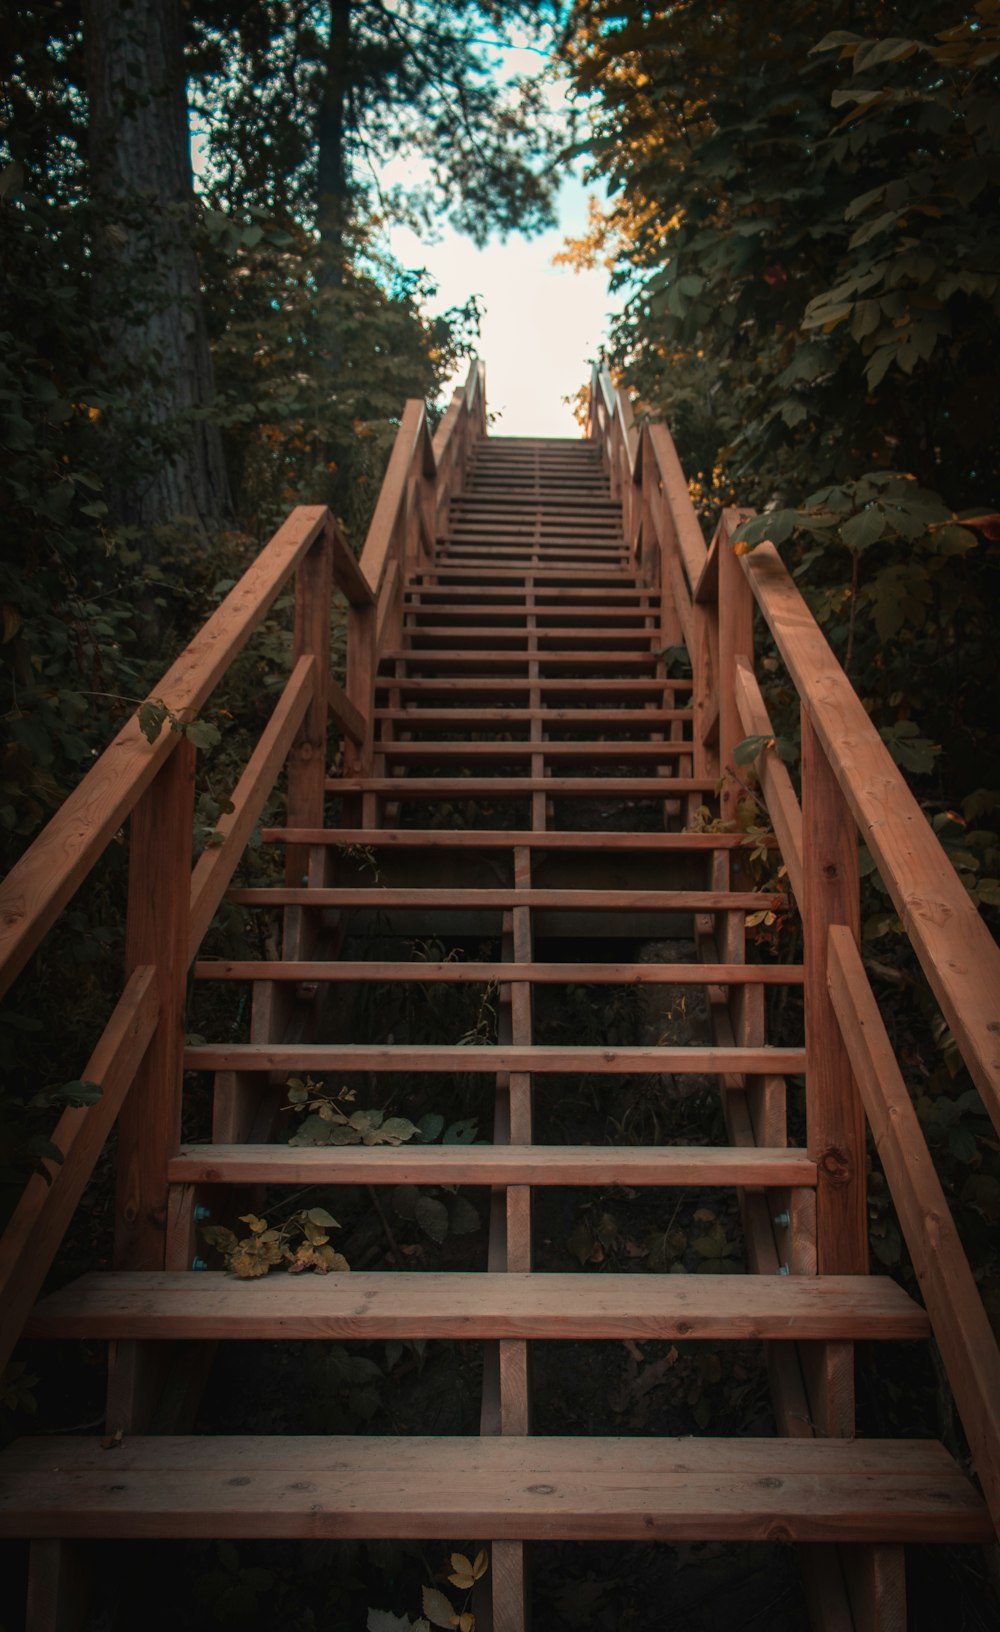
{"x": 782, "y": 1220}
{"x": 199, "y": 1263}
{"x": 202, "y": 1214}
{"x": 305, "y": 881}
{"x": 784, "y": 1270}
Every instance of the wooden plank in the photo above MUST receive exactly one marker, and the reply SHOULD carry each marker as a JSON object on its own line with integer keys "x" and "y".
{"x": 649, "y": 717}
{"x": 735, "y": 613}
{"x": 481, "y": 838}
{"x": 495, "y": 1057}
{"x": 961, "y": 1326}
{"x": 456, "y": 899}
{"x": 156, "y": 932}
{"x": 835, "y": 1124}
{"x": 520, "y": 685}
{"x": 35, "y": 1231}
{"x": 39, "y": 885}
{"x": 461, "y": 1307}
{"x": 406, "y": 450}
{"x": 60, "y": 1580}
{"x": 776, "y": 785}
{"x": 347, "y": 573}
{"x": 507, "y": 1487}
{"x": 956, "y": 950}
{"x": 469, "y": 752}
{"x": 508, "y": 787}
{"x": 541, "y": 974}
{"x": 500, "y": 658}
{"x": 347, "y": 719}
{"x": 217, "y": 863}
{"x": 548, "y": 1165}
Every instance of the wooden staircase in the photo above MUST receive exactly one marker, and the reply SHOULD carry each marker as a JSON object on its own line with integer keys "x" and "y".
{"x": 506, "y": 673}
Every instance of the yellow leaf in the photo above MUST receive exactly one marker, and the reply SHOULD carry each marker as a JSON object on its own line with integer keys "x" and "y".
{"x": 481, "y": 1564}
{"x": 466, "y": 1622}
{"x": 742, "y": 547}
{"x": 462, "y": 1575}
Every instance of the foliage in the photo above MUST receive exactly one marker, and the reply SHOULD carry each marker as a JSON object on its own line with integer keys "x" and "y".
{"x": 301, "y": 1242}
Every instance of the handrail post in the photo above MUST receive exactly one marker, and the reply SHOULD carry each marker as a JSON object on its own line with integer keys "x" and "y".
{"x": 360, "y": 684}
{"x": 735, "y": 615}
{"x": 159, "y": 889}
{"x": 311, "y": 638}
{"x": 835, "y": 1123}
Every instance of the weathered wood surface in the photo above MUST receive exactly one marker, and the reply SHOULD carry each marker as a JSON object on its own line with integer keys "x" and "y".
{"x": 674, "y": 1165}
{"x": 505, "y": 1487}
{"x": 956, "y": 950}
{"x": 544, "y": 1058}
{"x": 481, "y": 838}
{"x": 961, "y": 1325}
{"x": 566, "y": 900}
{"x": 835, "y": 1124}
{"x": 539, "y": 974}
{"x": 464, "y": 1306}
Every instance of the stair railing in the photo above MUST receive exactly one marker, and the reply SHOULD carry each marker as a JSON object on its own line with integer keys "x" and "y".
{"x": 137, "y": 1060}
{"x": 850, "y": 784}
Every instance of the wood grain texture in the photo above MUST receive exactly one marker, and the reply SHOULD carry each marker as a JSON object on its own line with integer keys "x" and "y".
{"x": 457, "y": 898}
{"x": 510, "y": 1488}
{"x": 463, "y": 1307}
{"x": 420, "y": 838}
{"x": 835, "y": 1124}
{"x": 663, "y": 1165}
{"x": 961, "y": 1325}
{"x": 157, "y": 927}
{"x": 539, "y": 974}
{"x": 616, "y": 1061}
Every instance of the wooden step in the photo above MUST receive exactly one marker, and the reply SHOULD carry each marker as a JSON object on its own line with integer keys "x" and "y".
{"x": 464, "y": 752}
{"x": 650, "y": 719}
{"x": 456, "y": 898}
{"x": 514, "y": 685}
{"x": 467, "y": 1307}
{"x": 543, "y": 1059}
{"x": 515, "y": 787}
{"x": 503, "y": 659}
{"x": 554, "y": 1166}
{"x": 539, "y": 974}
{"x": 506, "y": 1487}
{"x": 507, "y": 838}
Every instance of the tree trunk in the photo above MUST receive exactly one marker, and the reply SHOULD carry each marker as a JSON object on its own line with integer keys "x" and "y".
{"x": 166, "y": 462}
{"x": 332, "y": 185}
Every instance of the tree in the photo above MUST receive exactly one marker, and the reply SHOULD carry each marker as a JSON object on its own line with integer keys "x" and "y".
{"x": 164, "y": 454}
{"x": 308, "y": 101}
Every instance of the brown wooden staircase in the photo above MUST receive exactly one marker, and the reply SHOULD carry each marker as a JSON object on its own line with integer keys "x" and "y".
{"x": 507, "y": 627}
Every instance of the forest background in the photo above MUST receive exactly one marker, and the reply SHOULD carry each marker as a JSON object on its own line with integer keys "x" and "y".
{"x": 800, "y": 211}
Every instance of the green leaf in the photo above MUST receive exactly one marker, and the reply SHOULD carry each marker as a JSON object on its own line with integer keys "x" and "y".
{"x": 320, "y": 1216}
{"x": 440, "y": 1611}
{"x": 462, "y": 1217}
{"x": 432, "y": 1216}
{"x": 461, "y": 1133}
{"x": 430, "y": 1127}
{"x": 863, "y": 530}
{"x": 746, "y": 751}
{"x": 404, "y": 1200}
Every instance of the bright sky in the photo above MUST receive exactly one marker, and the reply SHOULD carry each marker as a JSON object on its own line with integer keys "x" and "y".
{"x": 543, "y": 324}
